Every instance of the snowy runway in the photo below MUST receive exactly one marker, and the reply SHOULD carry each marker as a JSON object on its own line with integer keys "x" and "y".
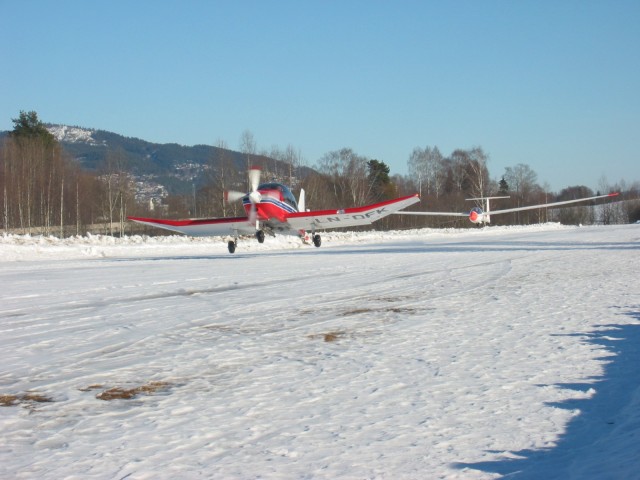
{"x": 423, "y": 354}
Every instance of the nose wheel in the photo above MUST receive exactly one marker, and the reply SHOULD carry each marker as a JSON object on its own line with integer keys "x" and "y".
{"x": 260, "y": 236}
{"x": 317, "y": 241}
{"x": 231, "y": 246}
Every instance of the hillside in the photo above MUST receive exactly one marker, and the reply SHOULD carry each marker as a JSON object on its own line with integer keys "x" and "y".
{"x": 176, "y": 168}
{"x": 90, "y": 147}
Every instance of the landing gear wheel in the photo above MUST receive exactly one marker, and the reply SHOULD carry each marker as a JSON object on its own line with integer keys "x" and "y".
{"x": 317, "y": 241}
{"x": 260, "y": 236}
{"x": 232, "y": 246}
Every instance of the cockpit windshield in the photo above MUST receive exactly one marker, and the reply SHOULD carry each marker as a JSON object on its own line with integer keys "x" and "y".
{"x": 287, "y": 196}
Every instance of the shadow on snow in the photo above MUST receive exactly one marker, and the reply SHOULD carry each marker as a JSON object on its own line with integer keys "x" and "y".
{"x": 598, "y": 415}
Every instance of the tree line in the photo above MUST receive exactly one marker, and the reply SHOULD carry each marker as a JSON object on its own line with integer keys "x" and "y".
{"x": 45, "y": 191}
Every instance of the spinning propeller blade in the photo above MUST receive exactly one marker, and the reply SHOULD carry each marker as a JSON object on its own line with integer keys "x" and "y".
{"x": 254, "y": 194}
{"x": 254, "y": 178}
{"x": 233, "y": 195}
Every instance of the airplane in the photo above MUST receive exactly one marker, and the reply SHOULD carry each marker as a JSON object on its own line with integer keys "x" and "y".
{"x": 478, "y": 215}
{"x": 271, "y": 208}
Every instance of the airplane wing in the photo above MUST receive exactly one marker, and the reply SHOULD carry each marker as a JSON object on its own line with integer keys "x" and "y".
{"x": 517, "y": 209}
{"x": 202, "y": 227}
{"x": 553, "y": 204}
{"x": 435, "y": 214}
{"x": 348, "y": 217}
{"x": 293, "y": 222}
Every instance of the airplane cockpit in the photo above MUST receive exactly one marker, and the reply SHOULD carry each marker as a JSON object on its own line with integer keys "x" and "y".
{"x": 279, "y": 190}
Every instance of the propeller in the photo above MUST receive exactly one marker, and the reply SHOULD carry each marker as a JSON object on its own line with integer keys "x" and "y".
{"x": 254, "y": 194}
{"x": 233, "y": 195}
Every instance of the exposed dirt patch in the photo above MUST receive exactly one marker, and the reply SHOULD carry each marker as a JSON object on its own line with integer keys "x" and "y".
{"x": 28, "y": 399}
{"x": 116, "y": 393}
{"x": 399, "y": 298}
{"x": 400, "y": 310}
{"x": 328, "y": 337}
{"x": 91, "y": 387}
{"x": 8, "y": 400}
{"x": 359, "y": 311}
{"x": 356, "y": 311}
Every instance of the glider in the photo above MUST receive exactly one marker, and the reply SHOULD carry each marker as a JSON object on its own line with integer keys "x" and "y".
{"x": 478, "y": 215}
{"x": 271, "y": 208}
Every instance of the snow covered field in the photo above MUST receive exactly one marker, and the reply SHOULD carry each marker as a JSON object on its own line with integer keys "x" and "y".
{"x": 424, "y": 354}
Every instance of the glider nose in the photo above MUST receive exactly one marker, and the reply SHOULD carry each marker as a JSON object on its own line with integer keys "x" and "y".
{"x": 475, "y": 215}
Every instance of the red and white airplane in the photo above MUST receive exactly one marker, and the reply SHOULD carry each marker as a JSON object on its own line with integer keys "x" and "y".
{"x": 271, "y": 208}
{"x": 478, "y": 215}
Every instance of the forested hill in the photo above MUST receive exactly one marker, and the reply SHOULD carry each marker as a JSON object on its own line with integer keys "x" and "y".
{"x": 90, "y": 148}
{"x": 177, "y": 167}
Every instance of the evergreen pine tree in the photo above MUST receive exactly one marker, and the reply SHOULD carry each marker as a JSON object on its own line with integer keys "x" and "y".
{"x": 27, "y": 125}
{"x": 503, "y": 187}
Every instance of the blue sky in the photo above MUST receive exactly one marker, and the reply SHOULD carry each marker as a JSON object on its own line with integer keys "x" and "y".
{"x": 551, "y": 84}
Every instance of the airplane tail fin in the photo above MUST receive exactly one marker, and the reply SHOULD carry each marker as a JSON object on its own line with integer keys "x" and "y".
{"x": 301, "y": 205}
